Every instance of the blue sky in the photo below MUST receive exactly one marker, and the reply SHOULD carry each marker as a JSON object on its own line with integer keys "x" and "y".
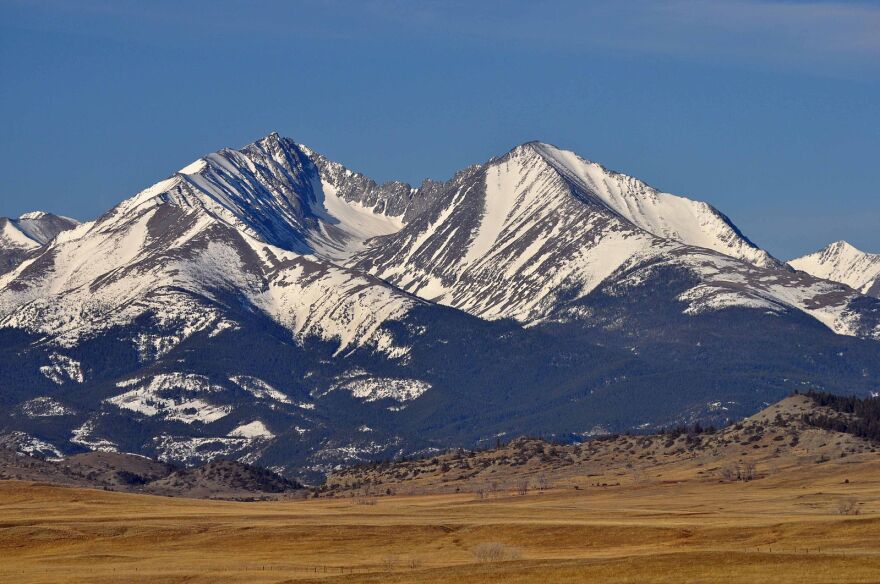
{"x": 767, "y": 110}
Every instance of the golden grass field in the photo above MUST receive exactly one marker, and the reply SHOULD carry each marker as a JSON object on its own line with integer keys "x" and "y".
{"x": 784, "y": 528}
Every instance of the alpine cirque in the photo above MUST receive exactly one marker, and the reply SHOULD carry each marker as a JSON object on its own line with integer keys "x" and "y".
{"x": 270, "y": 305}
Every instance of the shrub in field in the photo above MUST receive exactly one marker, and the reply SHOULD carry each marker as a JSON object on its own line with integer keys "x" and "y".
{"x": 848, "y": 507}
{"x": 495, "y": 552}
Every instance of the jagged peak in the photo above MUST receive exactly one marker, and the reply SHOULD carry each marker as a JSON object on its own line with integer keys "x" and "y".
{"x": 843, "y": 262}
{"x": 835, "y": 251}
{"x": 842, "y": 246}
{"x": 33, "y": 215}
{"x": 666, "y": 215}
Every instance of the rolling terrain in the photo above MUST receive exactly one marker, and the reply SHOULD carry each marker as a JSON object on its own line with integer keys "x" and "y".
{"x": 788, "y": 527}
{"x": 778, "y": 495}
{"x": 777, "y": 440}
{"x": 220, "y": 479}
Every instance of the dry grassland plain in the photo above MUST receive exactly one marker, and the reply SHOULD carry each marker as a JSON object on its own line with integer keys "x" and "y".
{"x": 783, "y": 528}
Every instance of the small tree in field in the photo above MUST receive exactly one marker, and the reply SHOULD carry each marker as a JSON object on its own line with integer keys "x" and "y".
{"x": 495, "y": 552}
{"x": 848, "y": 506}
{"x": 543, "y": 482}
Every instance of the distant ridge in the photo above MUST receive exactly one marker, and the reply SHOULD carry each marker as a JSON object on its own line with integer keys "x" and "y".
{"x": 842, "y": 262}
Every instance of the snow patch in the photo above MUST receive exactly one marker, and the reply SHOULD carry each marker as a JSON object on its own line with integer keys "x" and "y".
{"x": 83, "y": 435}
{"x": 173, "y": 397}
{"x": 376, "y": 388}
{"x": 25, "y": 443}
{"x": 45, "y": 407}
{"x": 62, "y": 369}
{"x": 259, "y": 388}
{"x": 255, "y": 429}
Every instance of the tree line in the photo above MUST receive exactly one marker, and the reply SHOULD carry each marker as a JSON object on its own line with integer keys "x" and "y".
{"x": 862, "y": 417}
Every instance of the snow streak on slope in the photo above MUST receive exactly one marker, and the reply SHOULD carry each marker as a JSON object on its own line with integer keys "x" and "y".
{"x": 841, "y": 262}
{"x": 669, "y": 216}
{"x": 510, "y": 239}
{"x": 259, "y": 388}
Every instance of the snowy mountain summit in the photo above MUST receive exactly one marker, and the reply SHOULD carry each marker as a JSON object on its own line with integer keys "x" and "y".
{"x": 841, "y": 262}
{"x": 28, "y": 232}
{"x": 268, "y": 303}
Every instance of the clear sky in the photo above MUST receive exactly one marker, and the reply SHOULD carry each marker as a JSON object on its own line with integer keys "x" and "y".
{"x": 767, "y": 110}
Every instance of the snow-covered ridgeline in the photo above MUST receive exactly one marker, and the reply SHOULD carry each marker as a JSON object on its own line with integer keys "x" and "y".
{"x": 33, "y": 229}
{"x": 669, "y": 216}
{"x": 842, "y": 262}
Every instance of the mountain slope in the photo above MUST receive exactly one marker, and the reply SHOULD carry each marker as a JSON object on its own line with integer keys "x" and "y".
{"x": 841, "y": 262}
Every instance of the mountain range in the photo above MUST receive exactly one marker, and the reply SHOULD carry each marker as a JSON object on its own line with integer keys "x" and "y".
{"x": 272, "y": 306}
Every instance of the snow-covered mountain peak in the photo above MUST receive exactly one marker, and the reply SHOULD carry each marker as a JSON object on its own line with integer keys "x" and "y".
{"x": 843, "y": 262}
{"x": 844, "y": 248}
{"x": 33, "y": 229}
{"x": 279, "y": 192}
{"x": 32, "y": 215}
{"x": 663, "y": 214}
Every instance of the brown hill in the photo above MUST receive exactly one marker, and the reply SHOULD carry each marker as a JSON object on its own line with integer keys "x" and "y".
{"x": 772, "y": 441}
{"x": 137, "y": 474}
{"x": 222, "y": 479}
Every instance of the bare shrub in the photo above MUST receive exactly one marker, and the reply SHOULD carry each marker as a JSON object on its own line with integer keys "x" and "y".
{"x": 848, "y": 506}
{"x": 365, "y": 500}
{"x": 543, "y": 482}
{"x": 740, "y": 472}
{"x": 522, "y": 486}
{"x": 495, "y": 552}
{"x": 728, "y": 474}
{"x": 389, "y": 562}
{"x": 638, "y": 475}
